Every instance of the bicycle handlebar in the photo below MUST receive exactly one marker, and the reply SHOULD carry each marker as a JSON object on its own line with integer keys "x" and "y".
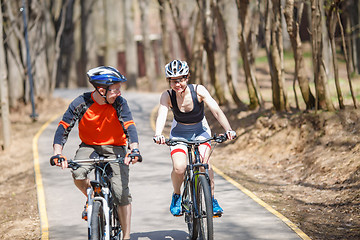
{"x": 75, "y": 163}
{"x": 217, "y": 138}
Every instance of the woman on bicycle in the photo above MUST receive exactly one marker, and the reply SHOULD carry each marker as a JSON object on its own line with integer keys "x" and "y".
{"x": 187, "y": 104}
{"x": 105, "y": 126}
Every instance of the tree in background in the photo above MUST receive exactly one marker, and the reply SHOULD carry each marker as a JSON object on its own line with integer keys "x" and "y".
{"x": 4, "y": 103}
{"x": 130, "y": 44}
{"x": 245, "y": 42}
{"x": 67, "y": 37}
{"x": 293, "y": 15}
{"x": 274, "y": 50}
{"x": 323, "y": 100}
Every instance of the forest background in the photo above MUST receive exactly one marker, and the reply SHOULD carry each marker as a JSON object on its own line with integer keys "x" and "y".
{"x": 285, "y": 72}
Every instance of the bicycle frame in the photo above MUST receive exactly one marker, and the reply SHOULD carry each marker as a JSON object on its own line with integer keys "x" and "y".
{"x": 193, "y": 171}
{"x": 100, "y": 191}
{"x": 105, "y": 191}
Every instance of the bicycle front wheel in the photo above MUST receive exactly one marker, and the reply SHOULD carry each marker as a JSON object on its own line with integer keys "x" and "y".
{"x": 204, "y": 204}
{"x": 189, "y": 212}
{"x": 97, "y": 222}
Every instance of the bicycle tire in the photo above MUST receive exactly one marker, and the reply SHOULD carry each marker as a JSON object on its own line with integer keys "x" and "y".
{"x": 97, "y": 222}
{"x": 188, "y": 208}
{"x": 204, "y": 204}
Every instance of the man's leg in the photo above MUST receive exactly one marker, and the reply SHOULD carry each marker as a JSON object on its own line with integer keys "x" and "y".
{"x": 82, "y": 185}
{"x": 124, "y": 213}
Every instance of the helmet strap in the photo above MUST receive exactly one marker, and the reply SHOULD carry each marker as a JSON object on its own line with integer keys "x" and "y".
{"x": 183, "y": 92}
{"x": 104, "y": 96}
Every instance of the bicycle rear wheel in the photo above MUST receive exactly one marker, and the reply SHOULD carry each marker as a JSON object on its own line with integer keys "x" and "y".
{"x": 188, "y": 209}
{"x": 97, "y": 222}
{"x": 204, "y": 204}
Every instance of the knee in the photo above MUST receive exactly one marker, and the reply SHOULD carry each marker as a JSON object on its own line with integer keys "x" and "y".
{"x": 179, "y": 170}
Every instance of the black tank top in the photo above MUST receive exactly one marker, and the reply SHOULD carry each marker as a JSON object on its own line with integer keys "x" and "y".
{"x": 195, "y": 115}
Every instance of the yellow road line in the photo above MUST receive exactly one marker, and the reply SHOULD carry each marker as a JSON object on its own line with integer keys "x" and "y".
{"x": 39, "y": 184}
{"x": 263, "y": 204}
{"x": 295, "y": 228}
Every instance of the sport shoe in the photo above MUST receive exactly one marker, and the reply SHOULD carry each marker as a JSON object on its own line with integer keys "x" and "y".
{"x": 217, "y": 210}
{"x": 84, "y": 212}
{"x": 175, "y": 207}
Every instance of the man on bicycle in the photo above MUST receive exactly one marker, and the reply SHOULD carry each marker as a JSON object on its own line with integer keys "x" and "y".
{"x": 105, "y": 126}
{"x": 187, "y": 104}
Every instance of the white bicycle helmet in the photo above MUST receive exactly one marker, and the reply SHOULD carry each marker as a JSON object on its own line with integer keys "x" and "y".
{"x": 176, "y": 68}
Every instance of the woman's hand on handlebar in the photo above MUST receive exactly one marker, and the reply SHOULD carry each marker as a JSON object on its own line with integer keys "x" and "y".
{"x": 159, "y": 139}
{"x": 230, "y": 134}
{"x": 59, "y": 160}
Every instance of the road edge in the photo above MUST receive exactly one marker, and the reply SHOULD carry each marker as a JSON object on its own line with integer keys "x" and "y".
{"x": 250, "y": 194}
{"x": 246, "y": 191}
{"x": 44, "y": 224}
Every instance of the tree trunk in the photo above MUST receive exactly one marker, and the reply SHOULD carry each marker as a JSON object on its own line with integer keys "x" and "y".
{"x": 87, "y": 42}
{"x": 348, "y": 71}
{"x": 164, "y": 31}
{"x": 64, "y": 45}
{"x": 179, "y": 30}
{"x": 331, "y": 26}
{"x": 293, "y": 23}
{"x": 275, "y": 55}
{"x": 322, "y": 92}
{"x": 111, "y": 23}
{"x": 229, "y": 78}
{"x": 207, "y": 25}
{"x": 17, "y": 49}
{"x": 251, "y": 81}
{"x": 4, "y": 101}
{"x": 130, "y": 45}
{"x": 148, "y": 50}
{"x": 196, "y": 52}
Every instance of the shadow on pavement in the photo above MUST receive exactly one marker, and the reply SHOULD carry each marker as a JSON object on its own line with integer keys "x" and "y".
{"x": 160, "y": 235}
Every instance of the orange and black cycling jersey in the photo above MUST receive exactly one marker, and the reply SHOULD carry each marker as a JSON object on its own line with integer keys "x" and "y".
{"x": 109, "y": 124}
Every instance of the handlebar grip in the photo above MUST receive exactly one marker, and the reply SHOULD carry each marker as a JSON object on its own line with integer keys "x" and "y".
{"x": 52, "y": 162}
{"x": 139, "y": 158}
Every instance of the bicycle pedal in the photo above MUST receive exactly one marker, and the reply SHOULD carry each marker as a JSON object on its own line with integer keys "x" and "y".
{"x": 179, "y": 215}
{"x": 84, "y": 213}
{"x": 217, "y": 215}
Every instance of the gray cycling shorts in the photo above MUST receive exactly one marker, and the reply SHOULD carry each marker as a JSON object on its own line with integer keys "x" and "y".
{"x": 197, "y": 131}
{"x": 120, "y": 178}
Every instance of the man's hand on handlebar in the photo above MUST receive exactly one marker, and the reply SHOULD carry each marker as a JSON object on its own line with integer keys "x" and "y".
{"x": 59, "y": 160}
{"x": 133, "y": 157}
{"x": 159, "y": 139}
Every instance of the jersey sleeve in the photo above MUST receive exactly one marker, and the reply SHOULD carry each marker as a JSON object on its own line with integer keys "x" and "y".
{"x": 127, "y": 121}
{"x": 68, "y": 120}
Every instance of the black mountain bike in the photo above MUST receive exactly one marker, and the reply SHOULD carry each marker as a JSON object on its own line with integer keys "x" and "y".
{"x": 102, "y": 215}
{"x": 196, "y": 196}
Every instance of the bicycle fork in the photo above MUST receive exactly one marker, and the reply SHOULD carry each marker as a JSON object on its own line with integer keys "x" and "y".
{"x": 104, "y": 200}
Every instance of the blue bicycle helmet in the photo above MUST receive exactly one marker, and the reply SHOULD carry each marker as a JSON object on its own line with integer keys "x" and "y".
{"x": 105, "y": 76}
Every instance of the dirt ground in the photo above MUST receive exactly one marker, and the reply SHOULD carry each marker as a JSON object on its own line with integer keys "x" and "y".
{"x": 18, "y": 197}
{"x": 305, "y": 165}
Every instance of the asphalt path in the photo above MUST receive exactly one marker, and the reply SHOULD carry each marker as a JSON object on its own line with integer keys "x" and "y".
{"x": 151, "y": 188}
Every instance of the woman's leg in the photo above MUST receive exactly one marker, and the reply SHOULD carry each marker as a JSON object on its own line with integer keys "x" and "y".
{"x": 178, "y": 156}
